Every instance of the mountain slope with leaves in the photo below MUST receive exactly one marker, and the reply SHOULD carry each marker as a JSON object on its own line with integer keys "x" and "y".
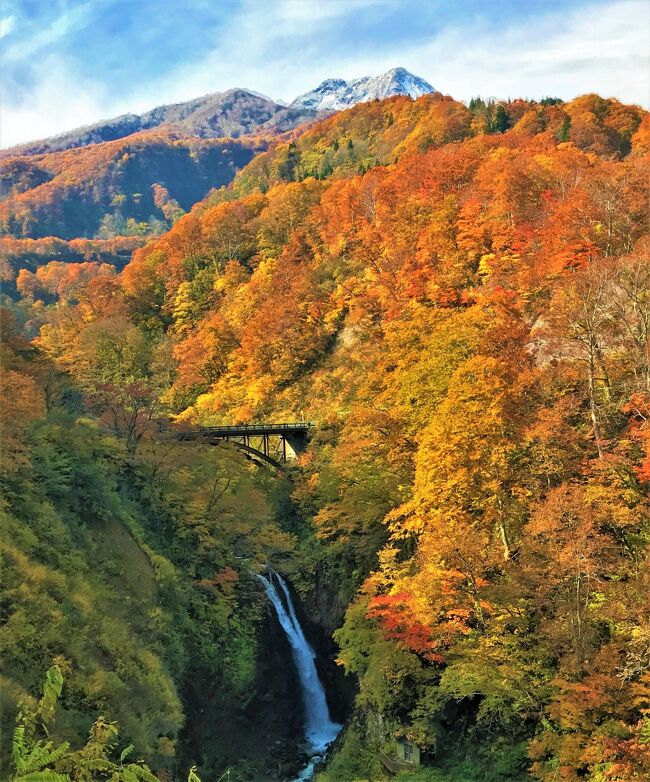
{"x": 460, "y": 296}
{"x": 138, "y": 185}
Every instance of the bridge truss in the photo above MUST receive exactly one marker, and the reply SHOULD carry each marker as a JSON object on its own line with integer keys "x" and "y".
{"x": 269, "y": 444}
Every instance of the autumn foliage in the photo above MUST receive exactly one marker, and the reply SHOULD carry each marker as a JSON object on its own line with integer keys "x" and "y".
{"x": 460, "y": 296}
{"x": 114, "y": 187}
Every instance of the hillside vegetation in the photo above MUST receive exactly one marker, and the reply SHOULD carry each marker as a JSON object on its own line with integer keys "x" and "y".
{"x": 136, "y": 186}
{"x": 121, "y": 568}
{"x": 460, "y": 297}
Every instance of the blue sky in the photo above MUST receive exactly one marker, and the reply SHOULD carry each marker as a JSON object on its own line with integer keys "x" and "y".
{"x": 69, "y": 62}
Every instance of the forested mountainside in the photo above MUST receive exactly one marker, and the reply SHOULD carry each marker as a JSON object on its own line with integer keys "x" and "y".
{"x": 133, "y": 186}
{"x": 22, "y": 258}
{"x": 117, "y": 568}
{"x": 460, "y": 298}
{"x": 135, "y": 174}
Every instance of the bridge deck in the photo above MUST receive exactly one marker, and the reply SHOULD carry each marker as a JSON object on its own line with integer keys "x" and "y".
{"x": 249, "y": 430}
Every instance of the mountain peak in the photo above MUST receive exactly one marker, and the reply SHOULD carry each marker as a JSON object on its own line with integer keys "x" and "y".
{"x": 399, "y": 72}
{"x": 235, "y": 112}
{"x": 336, "y": 94}
{"x": 231, "y": 113}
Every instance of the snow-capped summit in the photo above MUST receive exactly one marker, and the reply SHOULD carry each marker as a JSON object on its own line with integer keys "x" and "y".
{"x": 336, "y": 94}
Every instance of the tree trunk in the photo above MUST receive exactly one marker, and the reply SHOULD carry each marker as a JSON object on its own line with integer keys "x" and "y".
{"x": 593, "y": 408}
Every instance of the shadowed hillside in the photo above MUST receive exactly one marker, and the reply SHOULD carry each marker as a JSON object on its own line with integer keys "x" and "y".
{"x": 133, "y": 186}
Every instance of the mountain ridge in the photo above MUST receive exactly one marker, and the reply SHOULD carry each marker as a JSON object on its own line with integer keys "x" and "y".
{"x": 232, "y": 113}
{"x": 229, "y": 114}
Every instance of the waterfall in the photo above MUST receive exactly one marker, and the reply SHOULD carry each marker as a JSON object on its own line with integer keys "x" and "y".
{"x": 319, "y": 728}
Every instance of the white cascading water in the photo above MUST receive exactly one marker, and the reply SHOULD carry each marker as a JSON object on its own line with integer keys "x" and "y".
{"x": 319, "y": 728}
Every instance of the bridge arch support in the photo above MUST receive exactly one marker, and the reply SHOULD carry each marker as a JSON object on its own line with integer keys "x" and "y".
{"x": 273, "y": 445}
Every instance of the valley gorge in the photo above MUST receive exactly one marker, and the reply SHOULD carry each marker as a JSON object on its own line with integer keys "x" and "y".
{"x": 450, "y": 581}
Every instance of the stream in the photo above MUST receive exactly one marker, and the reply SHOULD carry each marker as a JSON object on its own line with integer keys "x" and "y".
{"x": 320, "y": 730}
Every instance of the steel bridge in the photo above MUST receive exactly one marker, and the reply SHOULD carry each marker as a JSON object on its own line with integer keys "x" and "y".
{"x": 270, "y": 444}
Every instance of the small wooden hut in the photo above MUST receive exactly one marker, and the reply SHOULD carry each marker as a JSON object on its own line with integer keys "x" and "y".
{"x": 408, "y": 752}
{"x": 407, "y": 756}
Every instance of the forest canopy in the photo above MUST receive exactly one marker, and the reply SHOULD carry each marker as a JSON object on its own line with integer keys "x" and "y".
{"x": 459, "y": 296}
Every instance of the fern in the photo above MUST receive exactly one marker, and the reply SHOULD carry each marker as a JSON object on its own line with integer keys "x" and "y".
{"x": 126, "y": 752}
{"x": 51, "y": 691}
{"x": 19, "y": 746}
{"x": 39, "y": 760}
{"x": 135, "y": 772}
{"x": 42, "y": 754}
{"x": 32, "y": 756}
{"x": 46, "y": 775}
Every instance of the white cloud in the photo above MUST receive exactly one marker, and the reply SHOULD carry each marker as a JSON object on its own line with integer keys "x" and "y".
{"x": 603, "y": 47}
{"x": 74, "y": 18}
{"x": 308, "y": 12}
{"x": 61, "y": 101}
{"x": 275, "y": 48}
{"x": 286, "y": 48}
{"x": 7, "y": 25}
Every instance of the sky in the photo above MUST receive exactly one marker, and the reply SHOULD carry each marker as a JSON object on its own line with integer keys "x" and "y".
{"x": 66, "y": 63}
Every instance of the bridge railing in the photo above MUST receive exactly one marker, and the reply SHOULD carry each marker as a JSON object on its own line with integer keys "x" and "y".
{"x": 248, "y": 428}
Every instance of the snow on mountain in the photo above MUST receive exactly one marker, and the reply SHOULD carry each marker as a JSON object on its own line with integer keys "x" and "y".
{"x": 336, "y": 94}
{"x": 235, "y": 112}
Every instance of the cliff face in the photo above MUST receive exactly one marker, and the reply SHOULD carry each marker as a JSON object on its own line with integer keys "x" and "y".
{"x": 261, "y": 733}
